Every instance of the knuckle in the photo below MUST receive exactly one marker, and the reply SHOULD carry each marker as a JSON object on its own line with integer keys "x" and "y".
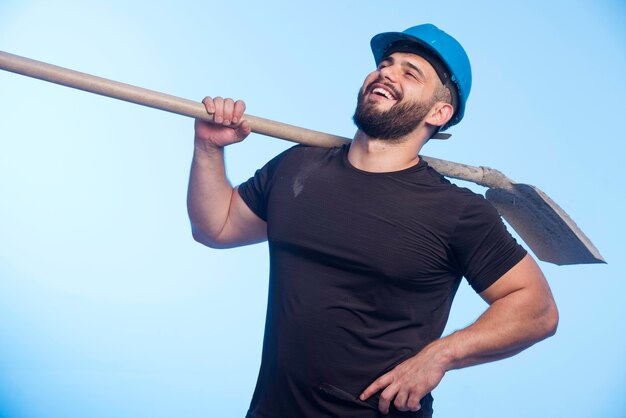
{"x": 386, "y": 397}
{"x": 413, "y": 404}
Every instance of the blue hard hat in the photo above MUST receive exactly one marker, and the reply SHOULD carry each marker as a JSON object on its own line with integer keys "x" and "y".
{"x": 442, "y": 46}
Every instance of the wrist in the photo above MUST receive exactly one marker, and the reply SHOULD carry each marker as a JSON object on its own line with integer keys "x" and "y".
{"x": 205, "y": 148}
{"x": 205, "y": 153}
{"x": 443, "y": 354}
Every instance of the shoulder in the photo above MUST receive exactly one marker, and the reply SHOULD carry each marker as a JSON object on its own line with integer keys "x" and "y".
{"x": 452, "y": 194}
{"x": 307, "y": 152}
{"x": 304, "y": 157}
{"x": 463, "y": 211}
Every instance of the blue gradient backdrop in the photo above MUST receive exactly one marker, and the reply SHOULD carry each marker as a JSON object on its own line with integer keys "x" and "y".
{"x": 108, "y": 308}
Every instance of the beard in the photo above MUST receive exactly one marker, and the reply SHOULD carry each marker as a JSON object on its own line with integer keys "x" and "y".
{"x": 390, "y": 125}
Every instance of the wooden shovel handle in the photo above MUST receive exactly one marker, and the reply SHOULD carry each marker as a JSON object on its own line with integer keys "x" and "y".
{"x": 157, "y": 100}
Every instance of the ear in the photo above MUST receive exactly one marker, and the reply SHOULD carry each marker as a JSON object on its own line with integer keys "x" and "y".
{"x": 440, "y": 114}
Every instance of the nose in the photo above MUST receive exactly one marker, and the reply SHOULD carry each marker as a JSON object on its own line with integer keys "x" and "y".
{"x": 388, "y": 72}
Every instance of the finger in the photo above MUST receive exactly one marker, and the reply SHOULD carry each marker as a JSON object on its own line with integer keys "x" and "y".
{"x": 208, "y": 104}
{"x": 413, "y": 403}
{"x": 244, "y": 129}
{"x": 240, "y": 107}
{"x": 218, "y": 116}
{"x": 382, "y": 382}
{"x": 400, "y": 401}
{"x": 386, "y": 397}
{"x": 229, "y": 106}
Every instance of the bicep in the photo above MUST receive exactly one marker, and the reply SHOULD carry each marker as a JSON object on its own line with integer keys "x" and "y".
{"x": 524, "y": 276}
{"x": 523, "y": 297}
{"x": 525, "y": 290}
{"x": 242, "y": 226}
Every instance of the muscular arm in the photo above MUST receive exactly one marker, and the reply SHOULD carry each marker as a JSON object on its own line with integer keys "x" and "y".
{"x": 219, "y": 217}
{"x": 521, "y": 313}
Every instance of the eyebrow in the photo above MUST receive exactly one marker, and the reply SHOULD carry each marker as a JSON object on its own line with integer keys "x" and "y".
{"x": 406, "y": 63}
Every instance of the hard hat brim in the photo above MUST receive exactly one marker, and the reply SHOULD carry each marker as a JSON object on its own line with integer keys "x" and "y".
{"x": 383, "y": 41}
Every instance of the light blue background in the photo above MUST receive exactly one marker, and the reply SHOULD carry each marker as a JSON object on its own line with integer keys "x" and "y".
{"x": 108, "y": 308}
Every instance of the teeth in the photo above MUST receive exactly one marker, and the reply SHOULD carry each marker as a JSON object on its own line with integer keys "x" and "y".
{"x": 383, "y": 92}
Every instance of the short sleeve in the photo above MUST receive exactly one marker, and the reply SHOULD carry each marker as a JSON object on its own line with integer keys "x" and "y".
{"x": 483, "y": 248}
{"x": 256, "y": 189}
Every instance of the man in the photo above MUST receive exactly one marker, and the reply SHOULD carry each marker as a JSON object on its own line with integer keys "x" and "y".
{"x": 368, "y": 246}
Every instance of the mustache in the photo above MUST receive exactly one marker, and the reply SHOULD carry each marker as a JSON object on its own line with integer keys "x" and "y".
{"x": 389, "y": 86}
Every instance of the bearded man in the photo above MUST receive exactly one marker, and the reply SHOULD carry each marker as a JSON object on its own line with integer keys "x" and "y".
{"x": 368, "y": 246}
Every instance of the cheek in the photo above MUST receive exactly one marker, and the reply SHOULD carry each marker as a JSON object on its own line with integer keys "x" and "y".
{"x": 371, "y": 77}
{"x": 417, "y": 94}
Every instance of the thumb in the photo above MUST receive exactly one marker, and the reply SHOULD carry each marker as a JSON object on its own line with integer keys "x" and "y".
{"x": 243, "y": 130}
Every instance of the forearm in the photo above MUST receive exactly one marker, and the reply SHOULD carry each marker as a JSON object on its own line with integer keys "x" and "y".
{"x": 508, "y": 326}
{"x": 209, "y": 193}
{"x": 511, "y": 324}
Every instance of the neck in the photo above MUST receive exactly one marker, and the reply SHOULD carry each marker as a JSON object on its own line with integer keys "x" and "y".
{"x": 381, "y": 156}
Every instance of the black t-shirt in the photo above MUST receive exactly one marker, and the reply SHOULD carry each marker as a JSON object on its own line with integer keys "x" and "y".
{"x": 363, "y": 270}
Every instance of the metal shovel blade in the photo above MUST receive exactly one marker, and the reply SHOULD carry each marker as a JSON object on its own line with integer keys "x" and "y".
{"x": 551, "y": 234}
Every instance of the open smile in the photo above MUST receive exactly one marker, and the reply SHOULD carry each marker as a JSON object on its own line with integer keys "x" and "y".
{"x": 384, "y": 91}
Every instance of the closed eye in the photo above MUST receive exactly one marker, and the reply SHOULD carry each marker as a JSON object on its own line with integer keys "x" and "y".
{"x": 414, "y": 71}
{"x": 385, "y": 63}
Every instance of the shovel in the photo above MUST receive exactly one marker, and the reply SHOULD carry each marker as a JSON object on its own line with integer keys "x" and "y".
{"x": 550, "y": 233}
